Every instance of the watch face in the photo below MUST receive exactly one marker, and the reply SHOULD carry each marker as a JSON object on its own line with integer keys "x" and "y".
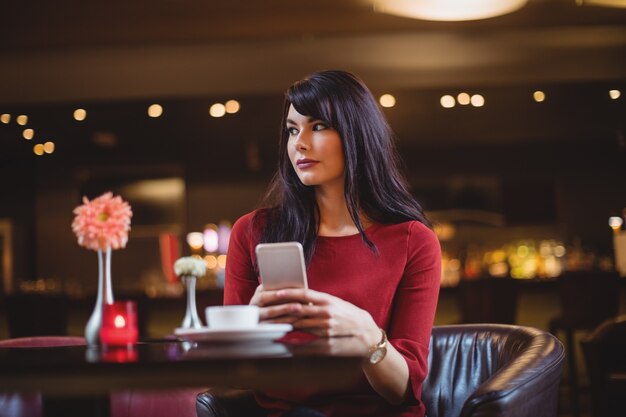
{"x": 378, "y": 355}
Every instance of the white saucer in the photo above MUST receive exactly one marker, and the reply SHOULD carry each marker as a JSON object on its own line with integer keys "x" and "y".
{"x": 253, "y": 349}
{"x": 264, "y": 331}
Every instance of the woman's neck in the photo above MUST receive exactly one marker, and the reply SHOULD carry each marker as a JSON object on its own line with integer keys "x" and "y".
{"x": 335, "y": 219}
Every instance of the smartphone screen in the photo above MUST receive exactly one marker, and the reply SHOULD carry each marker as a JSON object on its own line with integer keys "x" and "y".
{"x": 281, "y": 265}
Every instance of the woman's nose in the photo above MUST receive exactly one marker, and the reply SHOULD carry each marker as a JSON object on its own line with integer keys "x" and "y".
{"x": 303, "y": 141}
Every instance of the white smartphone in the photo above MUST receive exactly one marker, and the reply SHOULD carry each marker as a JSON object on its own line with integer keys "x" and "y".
{"x": 281, "y": 265}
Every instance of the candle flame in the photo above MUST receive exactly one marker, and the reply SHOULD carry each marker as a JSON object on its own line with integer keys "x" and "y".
{"x": 119, "y": 321}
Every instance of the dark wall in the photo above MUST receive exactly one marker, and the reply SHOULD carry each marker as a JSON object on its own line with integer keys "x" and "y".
{"x": 562, "y": 164}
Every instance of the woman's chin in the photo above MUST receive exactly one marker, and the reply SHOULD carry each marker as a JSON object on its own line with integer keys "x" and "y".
{"x": 307, "y": 180}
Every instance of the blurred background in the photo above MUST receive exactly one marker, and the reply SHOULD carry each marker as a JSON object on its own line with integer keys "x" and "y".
{"x": 511, "y": 127}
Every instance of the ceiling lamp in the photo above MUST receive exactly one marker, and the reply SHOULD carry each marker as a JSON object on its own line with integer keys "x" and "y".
{"x": 606, "y": 3}
{"x": 448, "y": 10}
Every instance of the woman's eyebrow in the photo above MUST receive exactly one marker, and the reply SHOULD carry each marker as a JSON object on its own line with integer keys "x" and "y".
{"x": 309, "y": 120}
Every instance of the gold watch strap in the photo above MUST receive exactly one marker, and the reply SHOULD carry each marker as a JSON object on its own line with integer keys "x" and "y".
{"x": 383, "y": 340}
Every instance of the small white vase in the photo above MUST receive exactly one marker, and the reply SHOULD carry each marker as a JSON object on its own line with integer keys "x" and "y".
{"x": 105, "y": 296}
{"x": 191, "y": 320}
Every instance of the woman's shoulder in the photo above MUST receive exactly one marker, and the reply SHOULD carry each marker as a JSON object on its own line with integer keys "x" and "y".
{"x": 418, "y": 228}
{"x": 252, "y": 223}
{"x": 413, "y": 232}
{"x": 258, "y": 215}
{"x": 421, "y": 244}
{"x": 412, "y": 227}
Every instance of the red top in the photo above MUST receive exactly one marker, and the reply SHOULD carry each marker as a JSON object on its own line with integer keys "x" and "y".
{"x": 399, "y": 288}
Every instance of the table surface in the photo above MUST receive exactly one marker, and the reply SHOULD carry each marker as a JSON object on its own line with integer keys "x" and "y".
{"x": 82, "y": 370}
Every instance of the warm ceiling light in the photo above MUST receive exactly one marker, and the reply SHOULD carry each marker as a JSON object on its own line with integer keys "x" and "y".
{"x": 80, "y": 114}
{"x": 48, "y": 147}
{"x": 463, "y": 99}
{"x": 155, "y": 110}
{"x": 22, "y": 119}
{"x": 38, "y": 149}
{"x": 448, "y": 10}
{"x": 5, "y": 118}
{"x": 615, "y": 222}
{"x": 615, "y": 94}
{"x": 477, "y": 100}
{"x": 232, "y": 106}
{"x": 387, "y": 100}
{"x": 539, "y": 96}
{"x": 28, "y": 134}
{"x": 217, "y": 110}
{"x": 447, "y": 101}
{"x": 606, "y": 3}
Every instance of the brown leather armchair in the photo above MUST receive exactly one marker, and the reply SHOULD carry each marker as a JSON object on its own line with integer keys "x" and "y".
{"x": 475, "y": 370}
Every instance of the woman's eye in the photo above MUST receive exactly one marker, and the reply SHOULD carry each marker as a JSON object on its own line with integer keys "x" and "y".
{"x": 292, "y": 131}
{"x": 319, "y": 126}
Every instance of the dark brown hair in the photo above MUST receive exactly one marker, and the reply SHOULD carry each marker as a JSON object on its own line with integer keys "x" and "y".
{"x": 373, "y": 182}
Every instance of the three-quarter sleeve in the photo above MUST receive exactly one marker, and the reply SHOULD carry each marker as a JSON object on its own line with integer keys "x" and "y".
{"x": 240, "y": 279}
{"x": 415, "y": 303}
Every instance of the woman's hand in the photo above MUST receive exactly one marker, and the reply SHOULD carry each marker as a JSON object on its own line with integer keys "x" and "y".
{"x": 317, "y": 312}
{"x": 269, "y": 313}
{"x": 327, "y": 315}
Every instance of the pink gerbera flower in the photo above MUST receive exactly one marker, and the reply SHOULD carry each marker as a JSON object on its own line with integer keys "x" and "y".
{"x": 102, "y": 222}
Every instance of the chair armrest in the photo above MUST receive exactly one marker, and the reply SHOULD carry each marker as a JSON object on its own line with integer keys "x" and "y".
{"x": 529, "y": 382}
{"x": 216, "y": 402}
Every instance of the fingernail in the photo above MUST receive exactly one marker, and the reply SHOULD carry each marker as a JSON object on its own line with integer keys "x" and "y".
{"x": 280, "y": 293}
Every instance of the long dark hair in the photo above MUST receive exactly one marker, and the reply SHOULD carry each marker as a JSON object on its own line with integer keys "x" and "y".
{"x": 373, "y": 183}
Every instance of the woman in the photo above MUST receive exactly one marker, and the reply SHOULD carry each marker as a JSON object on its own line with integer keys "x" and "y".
{"x": 373, "y": 265}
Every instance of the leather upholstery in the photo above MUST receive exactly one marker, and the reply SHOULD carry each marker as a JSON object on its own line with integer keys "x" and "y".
{"x": 217, "y": 402}
{"x": 476, "y": 370}
{"x": 492, "y": 370}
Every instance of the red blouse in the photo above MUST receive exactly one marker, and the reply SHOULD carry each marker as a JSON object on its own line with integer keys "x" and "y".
{"x": 399, "y": 288}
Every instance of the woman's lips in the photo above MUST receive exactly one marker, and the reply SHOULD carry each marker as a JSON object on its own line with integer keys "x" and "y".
{"x": 306, "y": 163}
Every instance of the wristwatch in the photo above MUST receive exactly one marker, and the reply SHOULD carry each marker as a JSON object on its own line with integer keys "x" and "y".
{"x": 379, "y": 350}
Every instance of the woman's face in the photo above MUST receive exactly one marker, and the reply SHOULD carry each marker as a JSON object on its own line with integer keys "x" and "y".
{"x": 314, "y": 150}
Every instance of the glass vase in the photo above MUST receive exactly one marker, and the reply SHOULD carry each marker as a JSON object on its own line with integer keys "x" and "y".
{"x": 191, "y": 320}
{"x": 105, "y": 296}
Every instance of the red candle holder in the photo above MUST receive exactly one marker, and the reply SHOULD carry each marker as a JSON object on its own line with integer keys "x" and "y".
{"x": 119, "y": 323}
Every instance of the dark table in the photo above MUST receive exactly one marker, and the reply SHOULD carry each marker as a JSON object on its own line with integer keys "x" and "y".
{"x": 75, "y": 374}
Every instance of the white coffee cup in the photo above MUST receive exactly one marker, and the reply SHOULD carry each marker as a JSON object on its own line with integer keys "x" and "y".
{"x": 232, "y": 317}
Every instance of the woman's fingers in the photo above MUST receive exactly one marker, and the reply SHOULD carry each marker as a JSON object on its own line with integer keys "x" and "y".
{"x": 313, "y": 323}
{"x": 322, "y": 312}
{"x": 322, "y": 327}
{"x": 306, "y": 309}
{"x": 269, "y": 298}
{"x": 272, "y": 312}
{"x": 301, "y": 295}
{"x": 281, "y": 320}
{"x": 257, "y": 295}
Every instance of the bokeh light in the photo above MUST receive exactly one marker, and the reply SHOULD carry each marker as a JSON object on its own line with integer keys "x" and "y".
{"x": 387, "y": 100}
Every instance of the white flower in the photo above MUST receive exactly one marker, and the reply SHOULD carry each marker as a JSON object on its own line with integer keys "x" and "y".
{"x": 190, "y": 266}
